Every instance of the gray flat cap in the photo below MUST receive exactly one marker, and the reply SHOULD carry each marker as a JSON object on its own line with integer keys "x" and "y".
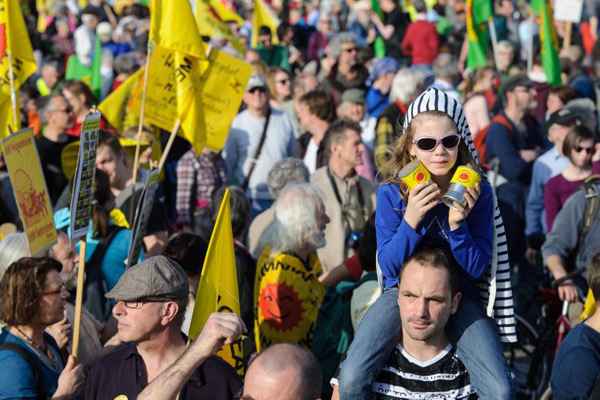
{"x": 156, "y": 277}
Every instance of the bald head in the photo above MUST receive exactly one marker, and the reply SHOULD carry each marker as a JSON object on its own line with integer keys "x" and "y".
{"x": 284, "y": 372}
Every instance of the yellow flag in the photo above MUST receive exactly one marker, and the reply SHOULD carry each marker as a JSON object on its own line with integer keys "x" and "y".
{"x": 172, "y": 26}
{"x": 218, "y": 286}
{"x": 6, "y": 117}
{"x": 263, "y": 15}
{"x": 14, "y": 42}
{"x": 210, "y": 25}
{"x": 173, "y": 92}
{"x": 116, "y": 107}
{"x": 589, "y": 308}
{"x": 225, "y": 13}
{"x": 222, "y": 88}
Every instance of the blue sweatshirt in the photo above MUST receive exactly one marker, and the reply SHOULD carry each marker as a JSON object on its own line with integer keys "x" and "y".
{"x": 470, "y": 243}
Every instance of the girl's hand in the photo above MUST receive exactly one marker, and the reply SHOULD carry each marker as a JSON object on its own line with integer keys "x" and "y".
{"x": 421, "y": 199}
{"x": 458, "y": 213}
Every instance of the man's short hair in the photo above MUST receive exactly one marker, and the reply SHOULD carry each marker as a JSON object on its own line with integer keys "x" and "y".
{"x": 336, "y": 133}
{"x": 335, "y": 45}
{"x": 436, "y": 258}
{"x": 188, "y": 250}
{"x": 444, "y": 66}
{"x": 319, "y": 103}
{"x": 286, "y": 171}
{"x": 593, "y": 276}
{"x": 264, "y": 30}
{"x": 283, "y": 356}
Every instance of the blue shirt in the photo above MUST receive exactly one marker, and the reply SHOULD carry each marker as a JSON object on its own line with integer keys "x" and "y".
{"x": 17, "y": 379}
{"x": 376, "y": 102}
{"x": 576, "y": 365}
{"x": 470, "y": 243}
{"x": 548, "y": 165}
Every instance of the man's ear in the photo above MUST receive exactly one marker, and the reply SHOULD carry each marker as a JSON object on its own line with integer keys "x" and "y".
{"x": 169, "y": 312}
{"x": 456, "y": 298}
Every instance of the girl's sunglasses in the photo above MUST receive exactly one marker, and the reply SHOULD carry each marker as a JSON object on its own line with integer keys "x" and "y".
{"x": 429, "y": 144}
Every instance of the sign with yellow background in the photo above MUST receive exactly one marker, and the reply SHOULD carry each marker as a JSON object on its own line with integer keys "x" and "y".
{"x": 287, "y": 295}
{"x": 31, "y": 193}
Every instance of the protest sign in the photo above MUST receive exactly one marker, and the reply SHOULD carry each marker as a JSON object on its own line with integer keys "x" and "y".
{"x": 83, "y": 185}
{"x": 31, "y": 193}
{"x": 142, "y": 216}
{"x": 568, "y": 10}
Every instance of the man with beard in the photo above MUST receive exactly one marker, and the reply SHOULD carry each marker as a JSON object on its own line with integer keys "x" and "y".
{"x": 424, "y": 364}
{"x": 287, "y": 291}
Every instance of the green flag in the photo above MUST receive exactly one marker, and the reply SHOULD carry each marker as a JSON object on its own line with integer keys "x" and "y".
{"x": 548, "y": 41}
{"x": 378, "y": 45}
{"x": 96, "y": 81}
{"x": 479, "y": 12}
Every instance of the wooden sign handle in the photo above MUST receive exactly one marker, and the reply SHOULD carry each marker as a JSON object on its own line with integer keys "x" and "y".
{"x": 78, "y": 298}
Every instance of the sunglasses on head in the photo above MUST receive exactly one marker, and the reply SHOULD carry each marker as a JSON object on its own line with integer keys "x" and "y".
{"x": 430, "y": 144}
{"x": 588, "y": 150}
{"x": 258, "y": 89}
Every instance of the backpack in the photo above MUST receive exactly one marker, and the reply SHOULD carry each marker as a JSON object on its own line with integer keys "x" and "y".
{"x": 481, "y": 138}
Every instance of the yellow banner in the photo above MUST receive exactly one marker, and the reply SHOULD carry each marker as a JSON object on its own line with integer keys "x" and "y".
{"x": 122, "y": 107}
{"x": 218, "y": 286}
{"x": 14, "y": 41}
{"x": 222, "y": 90}
{"x": 29, "y": 186}
{"x": 214, "y": 96}
{"x": 287, "y": 295}
{"x": 225, "y": 13}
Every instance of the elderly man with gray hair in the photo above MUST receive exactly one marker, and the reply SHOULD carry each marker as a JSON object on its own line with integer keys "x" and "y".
{"x": 347, "y": 72}
{"x": 288, "y": 170}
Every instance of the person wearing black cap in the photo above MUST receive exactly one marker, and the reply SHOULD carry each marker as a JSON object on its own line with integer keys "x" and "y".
{"x": 515, "y": 145}
{"x": 549, "y": 164}
{"x": 151, "y": 300}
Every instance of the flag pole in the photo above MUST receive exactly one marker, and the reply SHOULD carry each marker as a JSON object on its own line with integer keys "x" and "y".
{"x": 165, "y": 153}
{"x": 494, "y": 37}
{"x": 138, "y": 137}
{"x": 79, "y": 298}
{"x": 13, "y": 90}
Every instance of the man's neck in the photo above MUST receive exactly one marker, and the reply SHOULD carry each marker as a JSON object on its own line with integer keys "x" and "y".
{"x": 424, "y": 350}
{"x": 258, "y": 112}
{"x": 514, "y": 114}
{"x": 317, "y": 130}
{"x": 52, "y": 133}
{"x": 340, "y": 168}
{"x": 344, "y": 69}
{"x": 160, "y": 351}
{"x": 594, "y": 321}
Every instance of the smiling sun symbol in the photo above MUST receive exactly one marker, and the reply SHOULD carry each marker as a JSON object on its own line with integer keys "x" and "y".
{"x": 280, "y": 306}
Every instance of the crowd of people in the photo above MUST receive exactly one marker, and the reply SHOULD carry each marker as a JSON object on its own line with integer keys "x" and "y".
{"x": 352, "y": 283}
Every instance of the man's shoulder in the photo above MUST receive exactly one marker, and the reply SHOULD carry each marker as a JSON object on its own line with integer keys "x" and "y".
{"x": 319, "y": 177}
{"x": 113, "y": 357}
{"x": 215, "y": 377}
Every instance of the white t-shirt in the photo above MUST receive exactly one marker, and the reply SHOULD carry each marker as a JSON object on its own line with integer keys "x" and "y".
{"x": 310, "y": 157}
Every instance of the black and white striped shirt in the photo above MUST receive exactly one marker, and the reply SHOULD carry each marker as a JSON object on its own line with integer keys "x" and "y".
{"x": 443, "y": 377}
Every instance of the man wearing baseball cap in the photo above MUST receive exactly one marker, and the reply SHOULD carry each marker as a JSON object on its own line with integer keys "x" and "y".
{"x": 259, "y": 137}
{"x": 151, "y": 298}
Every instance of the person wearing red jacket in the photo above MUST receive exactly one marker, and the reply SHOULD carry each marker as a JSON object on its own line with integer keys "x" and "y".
{"x": 421, "y": 41}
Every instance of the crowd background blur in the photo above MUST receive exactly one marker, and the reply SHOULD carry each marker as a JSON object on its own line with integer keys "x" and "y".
{"x": 331, "y": 84}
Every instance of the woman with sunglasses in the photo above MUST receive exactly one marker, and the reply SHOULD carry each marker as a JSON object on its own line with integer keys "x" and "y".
{"x": 578, "y": 147}
{"x": 32, "y": 297}
{"x": 436, "y": 134}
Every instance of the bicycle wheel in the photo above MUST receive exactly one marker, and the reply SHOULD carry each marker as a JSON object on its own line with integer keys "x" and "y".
{"x": 528, "y": 362}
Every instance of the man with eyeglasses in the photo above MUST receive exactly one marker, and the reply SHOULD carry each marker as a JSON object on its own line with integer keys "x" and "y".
{"x": 515, "y": 143}
{"x": 347, "y": 72}
{"x": 259, "y": 137}
{"x": 56, "y": 117}
{"x": 151, "y": 300}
